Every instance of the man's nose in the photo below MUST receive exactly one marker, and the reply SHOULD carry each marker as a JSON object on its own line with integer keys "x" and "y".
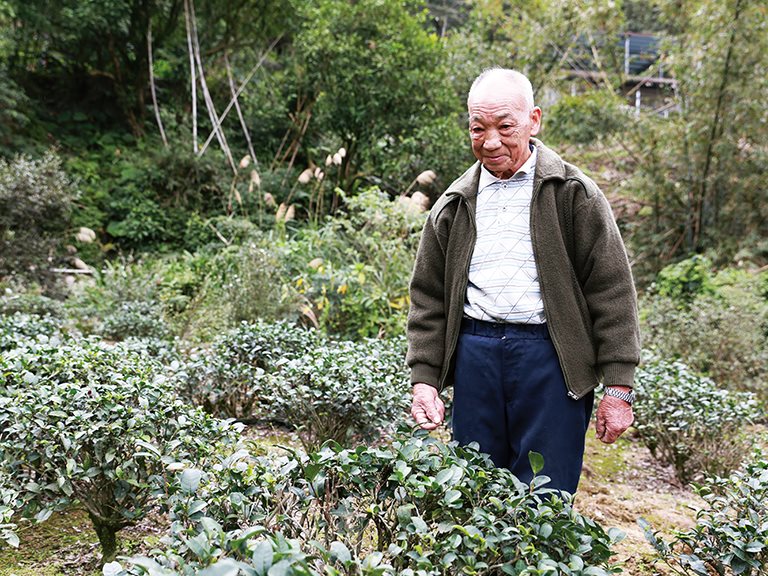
{"x": 492, "y": 141}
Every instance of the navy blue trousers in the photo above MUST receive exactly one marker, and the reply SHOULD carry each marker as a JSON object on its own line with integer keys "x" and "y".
{"x": 510, "y": 397}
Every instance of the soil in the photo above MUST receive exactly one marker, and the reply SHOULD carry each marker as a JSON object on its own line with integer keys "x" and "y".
{"x": 622, "y": 483}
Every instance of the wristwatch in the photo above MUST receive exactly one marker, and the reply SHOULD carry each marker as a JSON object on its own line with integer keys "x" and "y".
{"x": 628, "y": 397}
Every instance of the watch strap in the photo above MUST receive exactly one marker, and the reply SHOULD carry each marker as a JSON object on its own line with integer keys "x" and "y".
{"x": 628, "y": 397}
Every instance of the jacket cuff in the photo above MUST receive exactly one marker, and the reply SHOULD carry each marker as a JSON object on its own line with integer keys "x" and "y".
{"x": 425, "y": 374}
{"x": 618, "y": 374}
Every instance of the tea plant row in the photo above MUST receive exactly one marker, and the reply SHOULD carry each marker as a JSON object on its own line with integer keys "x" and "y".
{"x": 112, "y": 427}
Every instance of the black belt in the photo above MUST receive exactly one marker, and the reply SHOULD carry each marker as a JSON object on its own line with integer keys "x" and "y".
{"x": 499, "y": 329}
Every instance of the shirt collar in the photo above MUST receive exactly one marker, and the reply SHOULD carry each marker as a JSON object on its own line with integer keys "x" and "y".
{"x": 486, "y": 178}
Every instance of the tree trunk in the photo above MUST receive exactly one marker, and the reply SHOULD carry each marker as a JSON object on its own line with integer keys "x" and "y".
{"x": 107, "y": 534}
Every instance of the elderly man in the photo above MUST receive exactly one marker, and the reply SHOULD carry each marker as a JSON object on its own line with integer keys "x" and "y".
{"x": 522, "y": 297}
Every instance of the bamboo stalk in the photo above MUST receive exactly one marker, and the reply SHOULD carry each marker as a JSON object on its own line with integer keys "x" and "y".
{"x": 217, "y": 129}
{"x": 152, "y": 84}
{"x": 239, "y": 91}
{"x": 192, "y": 75}
{"x": 243, "y": 125}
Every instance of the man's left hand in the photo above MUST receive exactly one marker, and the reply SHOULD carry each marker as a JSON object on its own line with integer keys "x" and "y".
{"x": 614, "y": 416}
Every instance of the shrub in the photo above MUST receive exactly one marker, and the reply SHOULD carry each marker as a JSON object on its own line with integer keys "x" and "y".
{"x": 354, "y": 270}
{"x": 342, "y": 390}
{"x": 252, "y": 282}
{"x": 36, "y": 199}
{"x": 122, "y": 282}
{"x": 283, "y": 373}
{"x": 722, "y": 335}
{"x": 135, "y": 319}
{"x": 30, "y": 303}
{"x": 416, "y": 506}
{"x": 731, "y": 532}
{"x": 17, "y": 328}
{"x": 227, "y": 379}
{"x": 153, "y": 192}
{"x": 685, "y": 280}
{"x": 8, "y": 504}
{"x": 584, "y": 118}
{"x": 94, "y": 424}
{"x": 690, "y": 423}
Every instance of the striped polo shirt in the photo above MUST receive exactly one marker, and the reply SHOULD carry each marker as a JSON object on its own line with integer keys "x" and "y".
{"x": 503, "y": 280}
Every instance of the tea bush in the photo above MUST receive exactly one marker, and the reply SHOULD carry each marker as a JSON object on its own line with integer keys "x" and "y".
{"x": 89, "y": 423}
{"x": 723, "y": 335}
{"x": 119, "y": 293}
{"x": 36, "y": 200}
{"x": 690, "y": 423}
{"x": 19, "y": 327}
{"x": 30, "y": 302}
{"x": 731, "y": 531}
{"x": 228, "y": 378}
{"x": 342, "y": 390}
{"x": 8, "y": 504}
{"x": 417, "y": 506}
{"x": 137, "y": 320}
{"x": 283, "y": 373}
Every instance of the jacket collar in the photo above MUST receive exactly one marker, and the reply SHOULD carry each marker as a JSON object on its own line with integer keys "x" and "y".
{"x": 548, "y": 166}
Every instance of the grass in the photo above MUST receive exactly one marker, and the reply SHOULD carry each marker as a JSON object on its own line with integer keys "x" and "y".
{"x": 66, "y": 545}
{"x": 51, "y": 548}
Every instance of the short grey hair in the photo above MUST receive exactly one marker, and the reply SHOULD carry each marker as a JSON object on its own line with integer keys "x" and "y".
{"x": 512, "y": 76}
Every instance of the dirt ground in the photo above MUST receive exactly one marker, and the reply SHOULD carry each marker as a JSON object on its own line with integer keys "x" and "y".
{"x": 622, "y": 483}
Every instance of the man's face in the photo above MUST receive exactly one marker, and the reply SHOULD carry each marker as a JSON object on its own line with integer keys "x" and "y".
{"x": 500, "y": 126}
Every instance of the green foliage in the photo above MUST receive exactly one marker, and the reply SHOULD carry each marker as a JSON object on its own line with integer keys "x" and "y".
{"x": 416, "y": 506}
{"x": 731, "y": 531}
{"x": 18, "y": 327}
{"x": 30, "y": 302}
{"x": 686, "y": 280}
{"x": 9, "y": 499}
{"x": 251, "y": 279}
{"x": 690, "y": 423}
{"x": 36, "y": 199}
{"x": 683, "y": 166}
{"x": 341, "y": 390}
{"x": 358, "y": 61}
{"x": 155, "y": 191}
{"x": 354, "y": 270}
{"x": 119, "y": 292}
{"x": 135, "y": 319}
{"x": 540, "y": 38}
{"x": 717, "y": 324}
{"x": 226, "y": 378}
{"x": 95, "y": 424}
{"x": 585, "y": 118}
{"x": 277, "y": 372}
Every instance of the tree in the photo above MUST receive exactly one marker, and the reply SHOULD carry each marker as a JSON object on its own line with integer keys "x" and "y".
{"x": 91, "y": 48}
{"x": 368, "y": 73}
{"x": 703, "y": 170}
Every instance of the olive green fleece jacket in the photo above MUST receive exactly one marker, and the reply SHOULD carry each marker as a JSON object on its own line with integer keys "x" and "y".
{"x": 586, "y": 282}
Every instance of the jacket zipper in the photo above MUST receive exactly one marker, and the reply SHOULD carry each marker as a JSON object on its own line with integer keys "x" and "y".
{"x": 455, "y": 338}
{"x": 552, "y": 333}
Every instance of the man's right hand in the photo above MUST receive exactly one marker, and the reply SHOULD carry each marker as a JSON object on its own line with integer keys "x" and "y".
{"x": 427, "y": 408}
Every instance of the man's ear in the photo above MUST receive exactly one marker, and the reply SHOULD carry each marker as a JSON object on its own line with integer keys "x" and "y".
{"x": 535, "y": 120}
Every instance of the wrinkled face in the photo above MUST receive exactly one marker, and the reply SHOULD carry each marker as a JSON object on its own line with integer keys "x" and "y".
{"x": 500, "y": 126}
